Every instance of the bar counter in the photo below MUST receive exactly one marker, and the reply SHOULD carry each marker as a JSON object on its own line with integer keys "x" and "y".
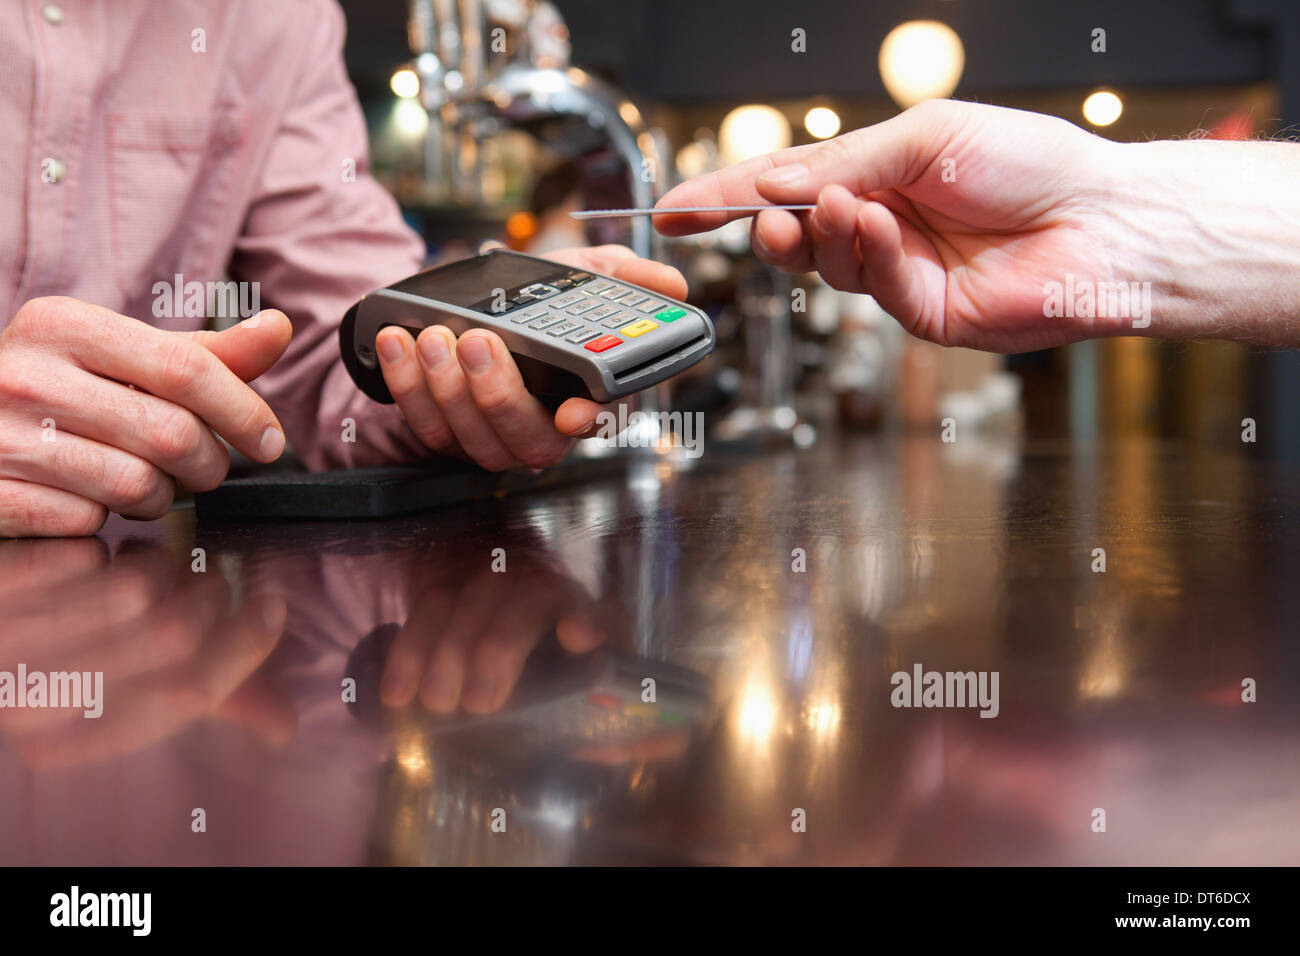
{"x": 1136, "y": 601}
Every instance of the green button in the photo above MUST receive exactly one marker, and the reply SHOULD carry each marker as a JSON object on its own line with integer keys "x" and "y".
{"x": 670, "y": 315}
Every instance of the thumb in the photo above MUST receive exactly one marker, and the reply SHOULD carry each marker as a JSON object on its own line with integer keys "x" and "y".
{"x": 251, "y": 347}
{"x": 889, "y": 154}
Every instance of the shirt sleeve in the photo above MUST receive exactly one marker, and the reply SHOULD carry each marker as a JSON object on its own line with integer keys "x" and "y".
{"x": 320, "y": 233}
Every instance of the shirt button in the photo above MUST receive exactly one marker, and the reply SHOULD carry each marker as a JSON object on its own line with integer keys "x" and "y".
{"x": 53, "y": 171}
{"x": 52, "y": 13}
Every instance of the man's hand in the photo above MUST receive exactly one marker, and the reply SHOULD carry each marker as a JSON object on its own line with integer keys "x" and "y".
{"x": 466, "y": 397}
{"x": 100, "y": 412}
{"x": 953, "y": 215}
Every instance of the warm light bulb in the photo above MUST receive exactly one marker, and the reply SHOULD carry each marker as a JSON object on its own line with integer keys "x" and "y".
{"x": 822, "y": 122}
{"x": 921, "y": 60}
{"x": 1103, "y": 108}
{"x": 749, "y": 131}
{"x": 405, "y": 83}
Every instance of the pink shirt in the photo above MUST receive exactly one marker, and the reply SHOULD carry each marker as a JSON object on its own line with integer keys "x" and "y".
{"x": 137, "y": 148}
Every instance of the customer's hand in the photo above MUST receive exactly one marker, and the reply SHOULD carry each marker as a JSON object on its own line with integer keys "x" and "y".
{"x": 953, "y": 215}
{"x": 100, "y": 412}
{"x": 476, "y": 406}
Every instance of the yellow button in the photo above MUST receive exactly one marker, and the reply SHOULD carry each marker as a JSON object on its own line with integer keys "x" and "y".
{"x": 640, "y": 327}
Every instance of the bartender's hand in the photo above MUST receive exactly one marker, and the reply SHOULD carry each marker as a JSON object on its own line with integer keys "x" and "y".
{"x": 468, "y": 638}
{"x": 957, "y": 216}
{"x": 475, "y": 405}
{"x": 100, "y": 412}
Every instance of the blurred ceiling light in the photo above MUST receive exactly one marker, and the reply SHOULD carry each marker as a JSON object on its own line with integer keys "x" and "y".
{"x": 405, "y": 83}
{"x": 692, "y": 160}
{"x": 410, "y": 121}
{"x": 921, "y": 60}
{"x": 822, "y": 122}
{"x": 754, "y": 130}
{"x": 1103, "y": 108}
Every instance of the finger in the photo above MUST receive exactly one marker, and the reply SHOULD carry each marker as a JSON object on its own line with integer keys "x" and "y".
{"x": 164, "y": 636}
{"x": 34, "y": 511}
{"x": 169, "y": 365}
{"x": 886, "y": 271}
{"x": 832, "y": 228}
{"x": 884, "y": 156}
{"x": 156, "y": 706}
{"x": 596, "y": 258}
{"x": 656, "y": 276}
{"x": 38, "y": 567}
{"x": 259, "y": 706}
{"x": 161, "y": 432}
{"x": 577, "y": 633}
{"x": 251, "y": 347}
{"x": 444, "y": 675}
{"x": 118, "y": 596}
{"x": 409, "y": 653}
{"x": 86, "y": 468}
{"x": 452, "y": 393}
{"x": 780, "y": 239}
{"x": 506, "y": 640}
{"x": 405, "y": 380}
{"x": 622, "y": 263}
{"x": 520, "y": 421}
{"x": 733, "y": 186}
{"x": 577, "y": 417}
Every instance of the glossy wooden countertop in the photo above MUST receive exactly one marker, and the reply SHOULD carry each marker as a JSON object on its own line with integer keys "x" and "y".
{"x": 771, "y": 596}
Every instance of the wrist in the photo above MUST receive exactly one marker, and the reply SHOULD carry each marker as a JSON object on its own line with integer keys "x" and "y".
{"x": 1214, "y": 227}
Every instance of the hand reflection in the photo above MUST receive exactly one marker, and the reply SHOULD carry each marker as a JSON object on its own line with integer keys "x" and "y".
{"x": 465, "y": 643}
{"x": 170, "y": 643}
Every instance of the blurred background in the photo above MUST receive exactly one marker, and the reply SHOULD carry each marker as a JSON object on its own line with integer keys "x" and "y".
{"x": 492, "y": 119}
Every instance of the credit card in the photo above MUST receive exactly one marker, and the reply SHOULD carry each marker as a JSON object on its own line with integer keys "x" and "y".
{"x": 622, "y": 213}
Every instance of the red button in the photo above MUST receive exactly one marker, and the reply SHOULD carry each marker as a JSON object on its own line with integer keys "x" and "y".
{"x": 604, "y": 343}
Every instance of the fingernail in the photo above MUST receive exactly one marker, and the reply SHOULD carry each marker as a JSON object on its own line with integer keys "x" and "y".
{"x": 475, "y": 353}
{"x": 390, "y": 348}
{"x": 791, "y": 175}
{"x": 586, "y": 431}
{"x": 272, "y": 443}
{"x": 433, "y": 350}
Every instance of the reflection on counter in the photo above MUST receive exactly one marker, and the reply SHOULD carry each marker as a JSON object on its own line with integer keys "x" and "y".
{"x": 377, "y": 692}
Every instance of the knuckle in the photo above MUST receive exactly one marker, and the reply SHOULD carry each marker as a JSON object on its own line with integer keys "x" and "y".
{"x": 435, "y": 435}
{"x": 181, "y": 367}
{"x": 20, "y": 384}
{"x": 24, "y": 515}
{"x": 177, "y": 436}
{"x": 33, "y": 314}
{"x": 837, "y": 152}
{"x": 449, "y": 391}
{"x": 85, "y": 519}
{"x": 404, "y": 387}
{"x": 135, "y": 483}
{"x": 498, "y": 402}
{"x": 256, "y": 418}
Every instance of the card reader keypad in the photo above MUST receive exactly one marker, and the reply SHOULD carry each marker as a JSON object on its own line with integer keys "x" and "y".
{"x": 581, "y": 310}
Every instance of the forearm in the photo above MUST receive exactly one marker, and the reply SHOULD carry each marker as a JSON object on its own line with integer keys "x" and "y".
{"x": 1215, "y": 228}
